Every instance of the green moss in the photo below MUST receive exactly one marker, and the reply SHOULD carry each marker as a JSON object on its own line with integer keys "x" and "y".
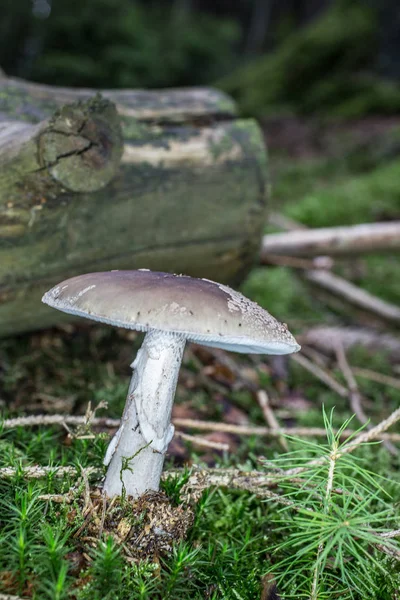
{"x": 136, "y": 131}
{"x": 221, "y": 147}
{"x": 375, "y": 196}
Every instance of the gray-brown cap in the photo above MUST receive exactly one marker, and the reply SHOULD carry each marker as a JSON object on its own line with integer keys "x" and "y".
{"x": 204, "y": 311}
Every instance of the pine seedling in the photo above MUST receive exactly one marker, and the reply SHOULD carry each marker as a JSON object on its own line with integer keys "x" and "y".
{"x": 332, "y": 526}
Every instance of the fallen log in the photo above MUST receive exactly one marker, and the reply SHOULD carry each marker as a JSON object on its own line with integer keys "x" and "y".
{"x": 334, "y": 241}
{"x": 186, "y": 193}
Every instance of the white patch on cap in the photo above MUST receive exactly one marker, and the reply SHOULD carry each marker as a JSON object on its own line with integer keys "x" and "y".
{"x": 84, "y": 291}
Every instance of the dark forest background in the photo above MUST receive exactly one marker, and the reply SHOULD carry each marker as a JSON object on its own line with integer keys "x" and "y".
{"x": 342, "y": 55}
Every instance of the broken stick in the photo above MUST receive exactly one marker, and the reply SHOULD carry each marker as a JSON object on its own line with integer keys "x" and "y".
{"x": 333, "y": 241}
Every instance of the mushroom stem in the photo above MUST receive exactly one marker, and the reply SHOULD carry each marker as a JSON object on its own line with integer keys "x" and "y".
{"x": 135, "y": 456}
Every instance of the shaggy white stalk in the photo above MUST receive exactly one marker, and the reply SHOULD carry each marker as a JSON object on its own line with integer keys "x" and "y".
{"x": 135, "y": 456}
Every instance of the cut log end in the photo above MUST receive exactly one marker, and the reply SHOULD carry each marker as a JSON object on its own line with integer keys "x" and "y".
{"x": 82, "y": 145}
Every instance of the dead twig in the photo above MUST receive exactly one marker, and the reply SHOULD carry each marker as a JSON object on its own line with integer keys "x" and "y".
{"x": 354, "y": 295}
{"x": 338, "y": 288}
{"x": 83, "y": 424}
{"x": 390, "y": 534}
{"x": 34, "y": 420}
{"x": 38, "y": 472}
{"x": 319, "y": 262}
{"x": 354, "y": 394}
{"x": 392, "y": 552}
{"x": 263, "y": 401}
{"x": 203, "y": 443}
{"x": 267, "y": 431}
{"x": 283, "y": 222}
{"x": 375, "y": 433}
{"x": 198, "y": 424}
{"x": 320, "y": 374}
{"x": 224, "y": 359}
{"x": 326, "y": 339}
{"x": 372, "y": 434}
{"x": 377, "y": 377}
{"x": 332, "y": 241}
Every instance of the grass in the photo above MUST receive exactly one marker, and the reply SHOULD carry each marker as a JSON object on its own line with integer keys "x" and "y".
{"x": 238, "y": 542}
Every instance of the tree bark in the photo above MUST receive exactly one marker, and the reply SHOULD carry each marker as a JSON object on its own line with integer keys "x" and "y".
{"x": 188, "y": 194}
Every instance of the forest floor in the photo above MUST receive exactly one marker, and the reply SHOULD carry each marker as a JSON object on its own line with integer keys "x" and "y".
{"x": 250, "y": 526}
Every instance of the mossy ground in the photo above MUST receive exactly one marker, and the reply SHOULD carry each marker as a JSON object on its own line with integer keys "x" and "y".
{"x": 227, "y": 550}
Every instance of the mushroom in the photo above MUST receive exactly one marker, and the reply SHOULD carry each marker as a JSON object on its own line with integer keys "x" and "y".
{"x": 170, "y": 309}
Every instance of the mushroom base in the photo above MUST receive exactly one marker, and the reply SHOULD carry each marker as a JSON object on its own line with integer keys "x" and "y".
{"x": 135, "y": 456}
{"x": 149, "y": 526}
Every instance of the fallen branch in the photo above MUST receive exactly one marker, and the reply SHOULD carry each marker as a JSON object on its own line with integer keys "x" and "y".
{"x": 333, "y": 241}
{"x": 337, "y": 288}
{"x": 286, "y": 223}
{"x": 65, "y": 420}
{"x": 203, "y": 443}
{"x": 377, "y": 377}
{"x": 377, "y": 432}
{"x": 38, "y": 472}
{"x": 33, "y": 420}
{"x": 354, "y": 392}
{"x": 390, "y": 534}
{"x": 354, "y": 295}
{"x": 355, "y": 396}
{"x": 372, "y": 434}
{"x": 102, "y": 422}
{"x": 363, "y": 438}
{"x": 263, "y": 401}
{"x": 254, "y": 482}
{"x": 319, "y": 262}
{"x": 320, "y": 374}
{"x": 326, "y": 339}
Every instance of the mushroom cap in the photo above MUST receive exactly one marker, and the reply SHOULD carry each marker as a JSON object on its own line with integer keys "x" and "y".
{"x": 204, "y": 311}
